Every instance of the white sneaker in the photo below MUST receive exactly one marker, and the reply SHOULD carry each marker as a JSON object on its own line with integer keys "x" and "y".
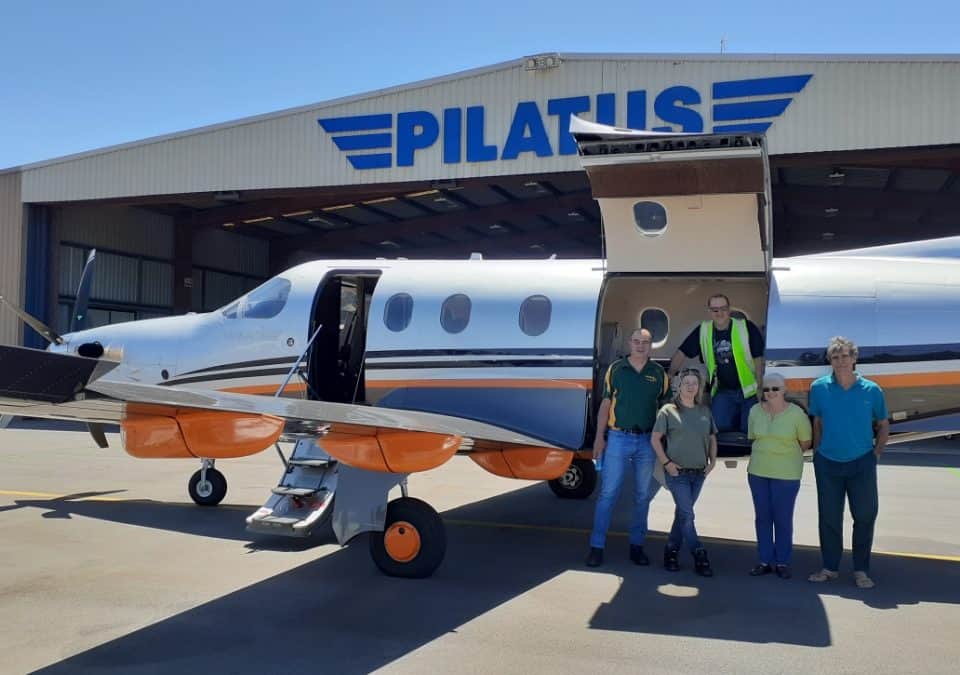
{"x": 862, "y": 580}
{"x": 823, "y": 575}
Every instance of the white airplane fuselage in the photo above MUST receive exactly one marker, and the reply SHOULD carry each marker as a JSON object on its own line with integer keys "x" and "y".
{"x": 904, "y": 314}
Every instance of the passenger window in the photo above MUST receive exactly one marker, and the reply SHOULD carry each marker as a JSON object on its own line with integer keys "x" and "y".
{"x": 268, "y": 300}
{"x": 398, "y": 312}
{"x": 535, "y": 315}
{"x": 455, "y": 313}
{"x": 657, "y": 322}
{"x": 650, "y": 217}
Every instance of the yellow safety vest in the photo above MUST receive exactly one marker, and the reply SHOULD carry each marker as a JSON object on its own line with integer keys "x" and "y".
{"x": 742, "y": 357}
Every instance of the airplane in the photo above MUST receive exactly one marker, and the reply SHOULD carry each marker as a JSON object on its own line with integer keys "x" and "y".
{"x": 381, "y": 368}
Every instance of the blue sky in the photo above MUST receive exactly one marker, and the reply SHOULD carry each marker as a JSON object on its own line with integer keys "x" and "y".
{"x": 79, "y": 75}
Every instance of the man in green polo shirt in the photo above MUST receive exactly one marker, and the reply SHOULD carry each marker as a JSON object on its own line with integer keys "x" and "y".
{"x": 850, "y": 431}
{"x": 632, "y": 390}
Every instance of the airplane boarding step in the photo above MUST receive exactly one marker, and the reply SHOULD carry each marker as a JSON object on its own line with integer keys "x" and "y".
{"x": 304, "y": 498}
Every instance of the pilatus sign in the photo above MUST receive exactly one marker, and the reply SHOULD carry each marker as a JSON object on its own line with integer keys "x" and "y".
{"x": 381, "y": 141}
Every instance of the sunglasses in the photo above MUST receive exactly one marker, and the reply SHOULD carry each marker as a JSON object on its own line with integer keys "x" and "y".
{"x": 766, "y": 389}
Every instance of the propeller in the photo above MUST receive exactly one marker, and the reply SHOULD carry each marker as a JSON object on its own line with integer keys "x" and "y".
{"x": 79, "y": 319}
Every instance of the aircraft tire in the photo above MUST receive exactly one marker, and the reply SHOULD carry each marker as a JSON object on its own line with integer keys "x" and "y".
{"x": 413, "y": 542}
{"x": 578, "y": 482}
{"x": 210, "y": 494}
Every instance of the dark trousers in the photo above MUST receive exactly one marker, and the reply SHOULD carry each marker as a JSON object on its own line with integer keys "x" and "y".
{"x": 730, "y": 410}
{"x": 857, "y": 481}
{"x": 773, "y": 502}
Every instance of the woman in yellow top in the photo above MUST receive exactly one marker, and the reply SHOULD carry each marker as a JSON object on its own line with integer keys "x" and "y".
{"x": 780, "y": 432}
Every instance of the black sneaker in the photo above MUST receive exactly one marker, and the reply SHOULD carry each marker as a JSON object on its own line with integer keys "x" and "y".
{"x": 701, "y": 563}
{"x": 760, "y": 570}
{"x": 670, "y": 561}
{"x": 783, "y": 571}
{"x": 595, "y": 557}
{"x": 638, "y": 556}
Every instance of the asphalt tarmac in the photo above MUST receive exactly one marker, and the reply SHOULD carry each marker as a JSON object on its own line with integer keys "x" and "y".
{"x": 109, "y": 568}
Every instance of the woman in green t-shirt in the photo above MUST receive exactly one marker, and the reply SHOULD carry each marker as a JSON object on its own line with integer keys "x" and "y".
{"x": 780, "y": 432}
{"x": 691, "y": 454}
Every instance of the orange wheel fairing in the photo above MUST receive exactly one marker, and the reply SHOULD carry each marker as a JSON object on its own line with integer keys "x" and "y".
{"x": 402, "y": 541}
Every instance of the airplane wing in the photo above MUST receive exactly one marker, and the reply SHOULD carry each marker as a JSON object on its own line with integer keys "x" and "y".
{"x": 37, "y": 383}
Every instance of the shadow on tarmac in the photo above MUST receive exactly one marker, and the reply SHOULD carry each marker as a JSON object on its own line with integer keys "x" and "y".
{"x": 339, "y": 614}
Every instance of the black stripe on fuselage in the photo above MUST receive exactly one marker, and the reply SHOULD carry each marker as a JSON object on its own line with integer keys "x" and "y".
{"x": 520, "y": 351}
{"x": 244, "y": 364}
{"x": 817, "y": 356}
{"x": 482, "y": 363}
{"x": 236, "y": 375}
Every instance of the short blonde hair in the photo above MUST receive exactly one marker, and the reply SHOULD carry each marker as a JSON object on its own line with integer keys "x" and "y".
{"x": 838, "y": 343}
{"x": 687, "y": 372}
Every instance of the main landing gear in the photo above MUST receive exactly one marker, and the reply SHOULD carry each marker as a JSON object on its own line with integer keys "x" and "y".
{"x": 413, "y": 541}
{"x": 207, "y": 487}
{"x": 577, "y": 482}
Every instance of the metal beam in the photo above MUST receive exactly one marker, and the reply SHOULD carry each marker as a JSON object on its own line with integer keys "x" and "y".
{"x": 437, "y": 223}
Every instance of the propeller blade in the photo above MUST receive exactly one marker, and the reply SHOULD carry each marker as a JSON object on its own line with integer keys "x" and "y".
{"x": 36, "y": 324}
{"x": 96, "y": 430}
{"x": 79, "y": 319}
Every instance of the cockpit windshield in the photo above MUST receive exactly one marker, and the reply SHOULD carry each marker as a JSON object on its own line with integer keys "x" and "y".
{"x": 263, "y": 302}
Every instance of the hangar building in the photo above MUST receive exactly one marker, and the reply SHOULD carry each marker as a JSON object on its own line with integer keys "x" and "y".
{"x": 864, "y": 150}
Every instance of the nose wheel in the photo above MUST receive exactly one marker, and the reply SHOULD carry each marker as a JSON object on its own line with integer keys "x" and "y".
{"x": 577, "y": 482}
{"x": 413, "y": 541}
{"x": 207, "y": 487}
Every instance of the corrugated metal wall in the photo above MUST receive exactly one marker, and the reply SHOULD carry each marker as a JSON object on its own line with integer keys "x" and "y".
{"x": 118, "y": 228}
{"x": 850, "y": 103}
{"x": 231, "y": 252}
{"x": 11, "y": 255}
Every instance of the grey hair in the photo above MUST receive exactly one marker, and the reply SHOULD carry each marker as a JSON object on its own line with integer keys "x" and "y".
{"x": 838, "y": 343}
{"x": 698, "y": 399}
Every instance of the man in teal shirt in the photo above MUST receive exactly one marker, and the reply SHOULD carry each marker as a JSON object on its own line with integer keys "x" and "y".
{"x": 850, "y": 431}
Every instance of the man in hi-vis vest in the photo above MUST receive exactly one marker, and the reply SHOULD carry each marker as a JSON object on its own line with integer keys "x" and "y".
{"x": 732, "y": 350}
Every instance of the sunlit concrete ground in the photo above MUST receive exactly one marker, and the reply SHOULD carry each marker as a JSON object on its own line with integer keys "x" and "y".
{"x": 107, "y": 567}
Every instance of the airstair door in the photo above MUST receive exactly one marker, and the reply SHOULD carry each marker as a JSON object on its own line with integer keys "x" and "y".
{"x": 676, "y": 203}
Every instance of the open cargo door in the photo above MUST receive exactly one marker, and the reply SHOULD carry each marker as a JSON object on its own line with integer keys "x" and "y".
{"x": 676, "y": 203}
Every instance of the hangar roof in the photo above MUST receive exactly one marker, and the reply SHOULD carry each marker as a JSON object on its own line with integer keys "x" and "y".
{"x": 510, "y": 119}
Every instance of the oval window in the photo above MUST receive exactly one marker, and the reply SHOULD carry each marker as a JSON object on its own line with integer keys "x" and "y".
{"x": 535, "y": 315}
{"x": 398, "y": 311}
{"x": 455, "y": 313}
{"x": 650, "y": 217}
{"x": 657, "y": 322}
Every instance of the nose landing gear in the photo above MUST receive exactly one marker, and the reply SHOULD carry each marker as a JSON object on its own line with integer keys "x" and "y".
{"x": 207, "y": 487}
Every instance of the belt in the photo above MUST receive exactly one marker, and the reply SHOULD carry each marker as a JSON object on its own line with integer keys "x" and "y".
{"x": 690, "y": 471}
{"x": 632, "y": 432}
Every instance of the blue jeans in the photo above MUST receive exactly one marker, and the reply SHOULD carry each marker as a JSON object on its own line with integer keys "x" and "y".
{"x": 730, "y": 410}
{"x": 685, "y": 489}
{"x": 773, "y": 501}
{"x": 856, "y": 481}
{"x": 622, "y": 450}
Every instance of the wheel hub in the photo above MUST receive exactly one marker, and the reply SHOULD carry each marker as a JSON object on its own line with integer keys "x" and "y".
{"x": 402, "y": 541}
{"x": 571, "y": 478}
{"x": 204, "y": 488}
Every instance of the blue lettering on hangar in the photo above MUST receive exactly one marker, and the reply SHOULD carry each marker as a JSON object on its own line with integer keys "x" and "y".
{"x": 736, "y": 105}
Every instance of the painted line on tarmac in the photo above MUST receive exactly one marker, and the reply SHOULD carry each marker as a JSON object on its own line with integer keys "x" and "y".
{"x": 657, "y": 535}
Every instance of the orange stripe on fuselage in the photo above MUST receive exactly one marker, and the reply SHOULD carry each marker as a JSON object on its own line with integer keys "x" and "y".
{"x": 892, "y": 381}
{"x": 481, "y": 384}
